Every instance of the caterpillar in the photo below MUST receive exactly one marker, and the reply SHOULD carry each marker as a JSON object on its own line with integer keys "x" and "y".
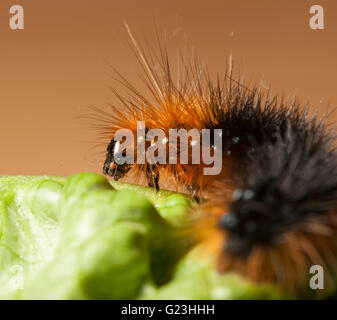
{"x": 272, "y": 210}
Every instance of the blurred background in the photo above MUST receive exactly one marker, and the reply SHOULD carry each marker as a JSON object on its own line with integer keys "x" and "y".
{"x": 56, "y": 67}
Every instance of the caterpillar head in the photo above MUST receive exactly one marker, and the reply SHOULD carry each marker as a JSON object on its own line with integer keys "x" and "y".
{"x": 111, "y": 167}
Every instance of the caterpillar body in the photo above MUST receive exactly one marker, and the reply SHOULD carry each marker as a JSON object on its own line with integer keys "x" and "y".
{"x": 272, "y": 210}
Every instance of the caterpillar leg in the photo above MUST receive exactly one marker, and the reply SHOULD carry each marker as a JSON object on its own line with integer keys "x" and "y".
{"x": 194, "y": 191}
{"x": 152, "y": 176}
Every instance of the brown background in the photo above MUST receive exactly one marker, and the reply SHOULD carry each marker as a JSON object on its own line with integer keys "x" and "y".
{"x": 58, "y": 65}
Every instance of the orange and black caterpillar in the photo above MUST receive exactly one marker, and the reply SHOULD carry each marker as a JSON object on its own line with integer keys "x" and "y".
{"x": 272, "y": 211}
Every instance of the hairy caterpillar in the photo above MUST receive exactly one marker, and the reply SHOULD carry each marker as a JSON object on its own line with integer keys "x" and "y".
{"x": 273, "y": 208}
